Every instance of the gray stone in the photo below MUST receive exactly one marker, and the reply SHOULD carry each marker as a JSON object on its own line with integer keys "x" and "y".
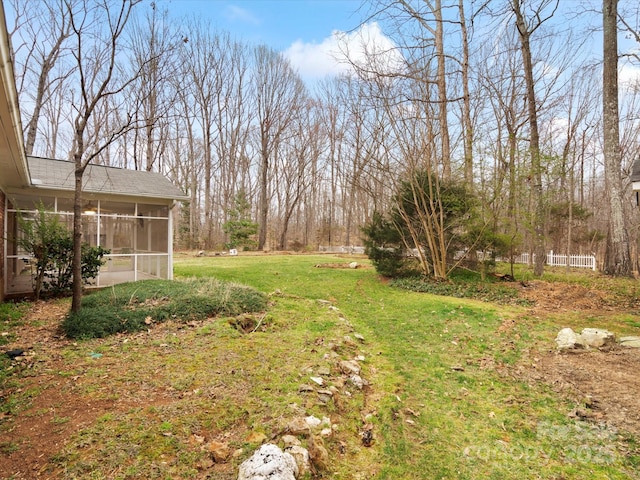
{"x": 566, "y": 339}
{"x": 358, "y": 381}
{"x": 631, "y": 341}
{"x": 596, "y": 338}
{"x": 350, "y": 367}
{"x": 269, "y": 463}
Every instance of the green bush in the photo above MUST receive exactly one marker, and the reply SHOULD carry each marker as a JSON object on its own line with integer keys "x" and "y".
{"x": 131, "y": 307}
{"x": 50, "y": 244}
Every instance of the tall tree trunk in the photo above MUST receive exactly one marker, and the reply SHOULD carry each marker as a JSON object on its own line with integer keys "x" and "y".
{"x": 263, "y": 203}
{"x": 466, "y": 101}
{"x": 442, "y": 92}
{"x": 534, "y": 148}
{"x": 617, "y": 260}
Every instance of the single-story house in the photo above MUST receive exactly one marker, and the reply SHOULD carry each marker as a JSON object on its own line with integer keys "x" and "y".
{"x": 635, "y": 179}
{"x": 128, "y": 212}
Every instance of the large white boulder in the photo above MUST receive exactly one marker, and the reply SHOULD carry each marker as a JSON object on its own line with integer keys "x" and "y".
{"x": 566, "y": 339}
{"x": 269, "y": 463}
{"x": 597, "y": 337}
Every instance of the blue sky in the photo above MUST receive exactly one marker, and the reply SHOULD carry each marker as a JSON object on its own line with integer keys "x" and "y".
{"x": 277, "y": 23}
{"x": 306, "y": 31}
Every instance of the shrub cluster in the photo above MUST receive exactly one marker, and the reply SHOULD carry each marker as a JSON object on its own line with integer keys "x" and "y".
{"x": 484, "y": 291}
{"x": 131, "y": 307}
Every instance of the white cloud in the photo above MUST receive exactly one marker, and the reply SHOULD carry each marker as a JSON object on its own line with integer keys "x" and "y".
{"x": 239, "y": 14}
{"x": 337, "y": 53}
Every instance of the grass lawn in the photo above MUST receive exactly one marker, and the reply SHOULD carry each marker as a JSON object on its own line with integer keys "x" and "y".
{"x": 446, "y": 405}
{"x": 445, "y": 399}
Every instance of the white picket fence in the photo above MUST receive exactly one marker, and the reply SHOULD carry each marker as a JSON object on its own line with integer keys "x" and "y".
{"x": 341, "y": 249}
{"x": 553, "y": 259}
{"x": 559, "y": 260}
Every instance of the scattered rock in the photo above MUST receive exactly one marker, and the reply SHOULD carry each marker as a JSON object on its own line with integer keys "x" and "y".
{"x": 317, "y": 380}
{"x": 358, "y": 337}
{"x": 269, "y": 463}
{"x": 350, "y": 367}
{"x": 302, "y": 458}
{"x": 298, "y": 426}
{"x": 219, "y": 451}
{"x": 596, "y": 338}
{"x": 357, "y": 381}
{"x": 566, "y": 339}
{"x": 305, "y": 388}
{"x": 353, "y": 265}
{"x": 325, "y": 395}
{"x": 631, "y": 341}
{"x": 348, "y": 342}
{"x": 313, "y": 421}
{"x": 324, "y": 371}
{"x": 290, "y": 441}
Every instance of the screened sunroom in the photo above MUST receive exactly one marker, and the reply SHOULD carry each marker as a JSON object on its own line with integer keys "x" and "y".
{"x": 128, "y": 212}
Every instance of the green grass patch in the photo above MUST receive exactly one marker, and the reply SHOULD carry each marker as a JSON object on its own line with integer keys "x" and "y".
{"x": 132, "y": 307}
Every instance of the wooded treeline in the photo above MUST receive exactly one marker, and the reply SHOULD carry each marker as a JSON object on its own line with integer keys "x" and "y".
{"x": 504, "y": 97}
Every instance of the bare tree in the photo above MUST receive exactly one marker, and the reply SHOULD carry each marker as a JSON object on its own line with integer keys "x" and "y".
{"x": 39, "y": 44}
{"x": 526, "y": 28}
{"x": 153, "y": 44}
{"x": 97, "y": 31}
{"x": 279, "y": 92}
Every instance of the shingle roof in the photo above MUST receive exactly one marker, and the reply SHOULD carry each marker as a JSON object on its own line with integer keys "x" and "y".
{"x": 59, "y": 175}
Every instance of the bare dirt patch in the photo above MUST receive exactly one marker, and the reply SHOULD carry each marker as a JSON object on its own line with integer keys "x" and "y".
{"x": 603, "y": 384}
{"x": 556, "y": 296}
{"x": 52, "y": 412}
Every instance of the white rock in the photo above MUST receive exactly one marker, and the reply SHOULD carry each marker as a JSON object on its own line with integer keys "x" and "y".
{"x": 269, "y": 463}
{"x": 312, "y": 421}
{"x": 353, "y": 265}
{"x": 317, "y": 380}
{"x": 596, "y": 337}
{"x": 566, "y": 339}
